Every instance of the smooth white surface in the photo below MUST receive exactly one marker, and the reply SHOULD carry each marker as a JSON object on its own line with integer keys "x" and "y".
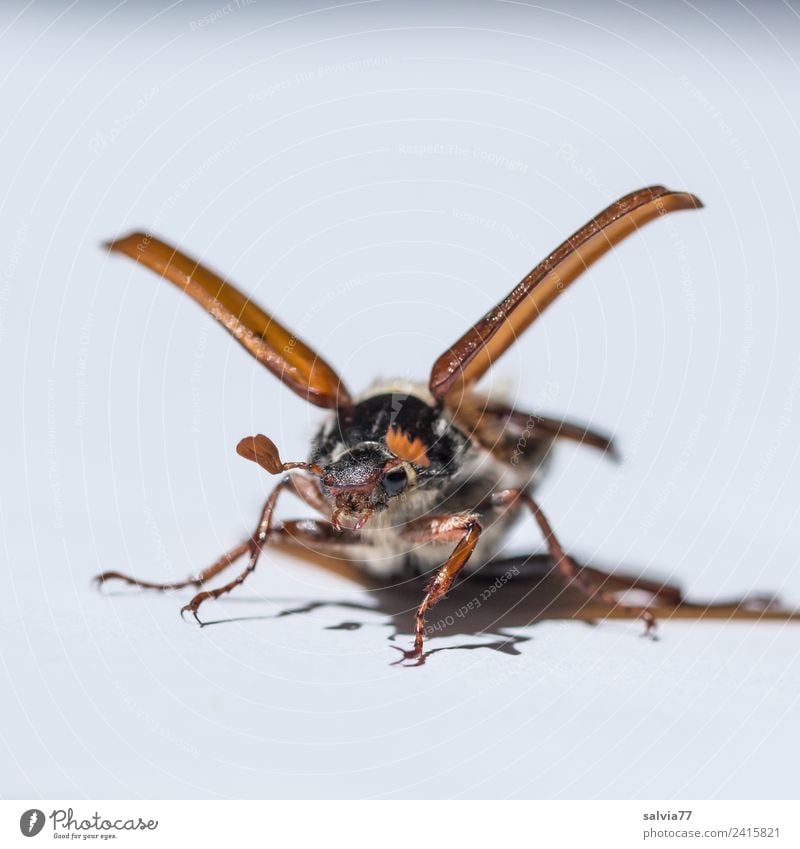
{"x": 379, "y": 175}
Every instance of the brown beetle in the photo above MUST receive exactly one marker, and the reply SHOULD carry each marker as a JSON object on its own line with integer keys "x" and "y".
{"x": 407, "y": 478}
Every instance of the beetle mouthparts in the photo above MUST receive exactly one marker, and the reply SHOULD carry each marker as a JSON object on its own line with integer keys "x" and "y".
{"x": 346, "y": 518}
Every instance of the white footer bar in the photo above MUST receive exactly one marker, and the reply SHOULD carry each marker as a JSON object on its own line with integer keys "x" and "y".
{"x": 408, "y": 824}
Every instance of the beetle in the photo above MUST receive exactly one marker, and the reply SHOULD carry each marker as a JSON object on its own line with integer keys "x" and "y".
{"x": 408, "y": 478}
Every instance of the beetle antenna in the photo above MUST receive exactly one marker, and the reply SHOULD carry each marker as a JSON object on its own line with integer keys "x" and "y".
{"x": 262, "y": 450}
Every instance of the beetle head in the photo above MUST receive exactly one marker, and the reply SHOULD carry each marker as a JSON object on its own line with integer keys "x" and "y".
{"x": 362, "y": 481}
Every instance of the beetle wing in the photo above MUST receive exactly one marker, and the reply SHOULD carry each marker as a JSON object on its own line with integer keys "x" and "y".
{"x": 286, "y": 356}
{"x": 472, "y": 355}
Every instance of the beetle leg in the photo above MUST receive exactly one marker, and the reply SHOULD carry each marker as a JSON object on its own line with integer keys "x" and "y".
{"x": 662, "y": 593}
{"x": 194, "y": 581}
{"x": 318, "y": 536}
{"x": 314, "y": 536}
{"x": 553, "y": 428}
{"x": 255, "y": 544}
{"x": 308, "y": 491}
{"x": 467, "y": 530}
{"x": 304, "y": 488}
{"x": 564, "y": 565}
{"x": 536, "y": 567}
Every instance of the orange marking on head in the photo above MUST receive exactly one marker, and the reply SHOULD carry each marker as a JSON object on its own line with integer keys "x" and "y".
{"x": 411, "y": 450}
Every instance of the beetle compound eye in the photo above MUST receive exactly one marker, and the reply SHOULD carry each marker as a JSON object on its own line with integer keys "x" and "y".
{"x": 395, "y": 482}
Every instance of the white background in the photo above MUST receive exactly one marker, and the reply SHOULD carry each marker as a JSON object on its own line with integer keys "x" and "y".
{"x": 379, "y": 174}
